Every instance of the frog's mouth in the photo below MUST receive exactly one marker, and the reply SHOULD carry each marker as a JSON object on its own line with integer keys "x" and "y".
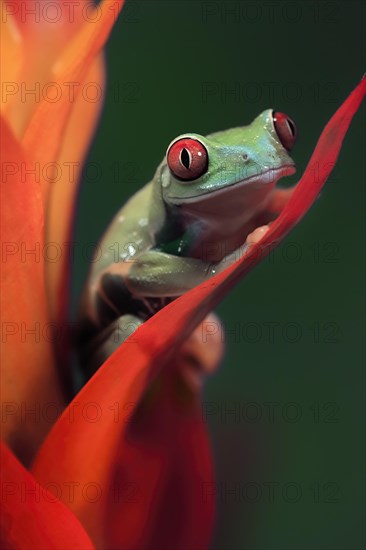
{"x": 264, "y": 181}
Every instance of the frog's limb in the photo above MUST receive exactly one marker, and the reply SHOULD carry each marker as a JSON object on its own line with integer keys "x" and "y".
{"x": 202, "y": 352}
{"x": 157, "y": 274}
{"x": 254, "y": 237}
{"x": 106, "y": 342}
{"x": 279, "y": 199}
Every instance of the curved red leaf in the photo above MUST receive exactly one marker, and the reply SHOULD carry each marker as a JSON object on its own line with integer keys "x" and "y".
{"x": 31, "y": 517}
{"x": 161, "y": 489}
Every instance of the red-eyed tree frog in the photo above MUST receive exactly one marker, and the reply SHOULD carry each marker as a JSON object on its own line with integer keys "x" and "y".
{"x": 195, "y": 218}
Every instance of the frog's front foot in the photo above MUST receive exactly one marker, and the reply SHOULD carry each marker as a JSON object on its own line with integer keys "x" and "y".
{"x": 255, "y": 236}
{"x": 202, "y": 353}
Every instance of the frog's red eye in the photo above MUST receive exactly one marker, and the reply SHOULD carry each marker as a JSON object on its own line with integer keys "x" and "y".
{"x": 285, "y": 129}
{"x": 187, "y": 159}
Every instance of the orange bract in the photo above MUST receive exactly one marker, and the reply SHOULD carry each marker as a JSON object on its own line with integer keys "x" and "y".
{"x": 37, "y": 137}
{"x": 29, "y": 378}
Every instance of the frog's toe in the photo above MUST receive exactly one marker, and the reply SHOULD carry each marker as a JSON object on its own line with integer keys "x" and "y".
{"x": 202, "y": 353}
{"x": 255, "y": 236}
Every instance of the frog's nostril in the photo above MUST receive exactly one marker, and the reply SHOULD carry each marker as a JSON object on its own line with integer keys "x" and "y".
{"x": 245, "y": 156}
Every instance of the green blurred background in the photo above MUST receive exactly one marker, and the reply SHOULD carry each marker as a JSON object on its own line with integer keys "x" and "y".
{"x": 286, "y": 410}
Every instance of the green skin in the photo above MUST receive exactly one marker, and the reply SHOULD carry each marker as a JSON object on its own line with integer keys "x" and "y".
{"x": 172, "y": 235}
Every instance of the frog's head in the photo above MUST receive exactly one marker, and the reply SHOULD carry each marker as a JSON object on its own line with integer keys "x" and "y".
{"x": 228, "y": 172}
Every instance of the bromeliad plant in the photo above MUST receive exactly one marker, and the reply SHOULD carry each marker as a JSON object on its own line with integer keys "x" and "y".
{"x": 97, "y": 479}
